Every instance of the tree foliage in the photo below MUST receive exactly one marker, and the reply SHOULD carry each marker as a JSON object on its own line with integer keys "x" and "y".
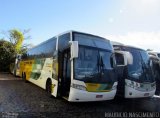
{"x": 17, "y": 38}
{"x": 9, "y": 49}
{"x": 7, "y": 55}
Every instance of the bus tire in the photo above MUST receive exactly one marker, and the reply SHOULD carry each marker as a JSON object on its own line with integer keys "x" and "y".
{"x": 48, "y": 87}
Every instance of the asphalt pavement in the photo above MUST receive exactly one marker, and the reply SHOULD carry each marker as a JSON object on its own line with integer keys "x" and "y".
{"x": 19, "y": 99}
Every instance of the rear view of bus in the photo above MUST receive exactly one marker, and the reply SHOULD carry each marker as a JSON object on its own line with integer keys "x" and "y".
{"x": 138, "y": 80}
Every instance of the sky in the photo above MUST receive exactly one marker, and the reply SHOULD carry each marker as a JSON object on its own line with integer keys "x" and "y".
{"x": 131, "y": 22}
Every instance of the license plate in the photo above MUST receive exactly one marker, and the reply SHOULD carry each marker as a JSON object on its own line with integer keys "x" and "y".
{"x": 99, "y": 96}
{"x": 146, "y": 94}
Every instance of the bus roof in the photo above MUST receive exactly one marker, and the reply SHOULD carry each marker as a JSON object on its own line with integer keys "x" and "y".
{"x": 153, "y": 52}
{"x": 70, "y": 31}
{"x": 123, "y": 45}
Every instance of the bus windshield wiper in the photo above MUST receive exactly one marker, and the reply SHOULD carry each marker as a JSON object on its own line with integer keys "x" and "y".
{"x": 98, "y": 63}
{"x": 145, "y": 70}
{"x": 101, "y": 65}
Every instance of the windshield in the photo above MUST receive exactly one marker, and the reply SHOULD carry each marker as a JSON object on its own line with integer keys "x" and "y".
{"x": 146, "y": 66}
{"x": 140, "y": 70}
{"x": 93, "y": 66}
{"x": 92, "y": 41}
{"x": 135, "y": 70}
{"x": 158, "y": 55}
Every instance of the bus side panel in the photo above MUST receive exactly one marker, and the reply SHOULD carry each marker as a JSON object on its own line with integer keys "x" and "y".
{"x": 55, "y": 77}
{"x": 26, "y": 67}
{"x": 41, "y": 71}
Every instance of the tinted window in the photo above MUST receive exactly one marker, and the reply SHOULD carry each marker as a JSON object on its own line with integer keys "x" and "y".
{"x": 136, "y": 67}
{"x": 138, "y": 71}
{"x": 93, "y": 66}
{"x": 63, "y": 41}
{"x": 93, "y": 41}
{"x": 45, "y": 49}
{"x": 145, "y": 57}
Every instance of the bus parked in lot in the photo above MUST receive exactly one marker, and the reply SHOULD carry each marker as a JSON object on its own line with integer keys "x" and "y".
{"x": 76, "y": 66}
{"x": 155, "y": 57}
{"x": 15, "y": 67}
{"x": 155, "y": 54}
{"x": 137, "y": 80}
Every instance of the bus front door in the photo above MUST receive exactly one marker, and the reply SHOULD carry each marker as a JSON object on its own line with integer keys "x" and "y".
{"x": 65, "y": 73}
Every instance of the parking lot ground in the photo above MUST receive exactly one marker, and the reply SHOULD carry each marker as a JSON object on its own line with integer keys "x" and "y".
{"x": 20, "y": 99}
{"x": 8, "y": 76}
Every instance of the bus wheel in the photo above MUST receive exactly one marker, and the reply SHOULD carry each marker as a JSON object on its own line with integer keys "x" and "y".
{"x": 49, "y": 87}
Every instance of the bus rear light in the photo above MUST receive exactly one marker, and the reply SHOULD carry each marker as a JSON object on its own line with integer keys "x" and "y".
{"x": 80, "y": 87}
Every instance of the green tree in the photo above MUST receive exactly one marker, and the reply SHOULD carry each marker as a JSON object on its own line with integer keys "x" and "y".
{"x": 17, "y": 38}
{"x": 9, "y": 49}
{"x": 7, "y": 55}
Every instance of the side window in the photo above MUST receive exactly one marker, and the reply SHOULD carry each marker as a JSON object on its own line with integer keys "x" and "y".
{"x": 49, "y": 47}
{"x": 44, "y": 50}
{"x": 63, "y": 41}
{"x": 88, "y": 55}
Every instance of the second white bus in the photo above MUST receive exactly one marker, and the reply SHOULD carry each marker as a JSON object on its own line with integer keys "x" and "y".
{"x": 137, "y": 80}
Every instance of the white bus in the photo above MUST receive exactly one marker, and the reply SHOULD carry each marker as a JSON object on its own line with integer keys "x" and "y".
{"x": 155, "y": 57}
{"x": 15, "y": 67}
{"x": 76, "y": 66}
{"x": 137, "y": 80}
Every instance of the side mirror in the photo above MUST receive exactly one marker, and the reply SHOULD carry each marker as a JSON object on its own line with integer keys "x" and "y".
{"x": 74, "y": 49}
{"x": 123, "y": 56}
{"x": 120, "y": 59}
{"x": 129, "y": 57}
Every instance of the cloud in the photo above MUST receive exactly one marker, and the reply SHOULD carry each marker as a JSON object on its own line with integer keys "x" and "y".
{"x": 144, "y": 40}
{"x": 143, "y": 7}
{"x": 121, "y": 11}
{"x": 111, "y": 20}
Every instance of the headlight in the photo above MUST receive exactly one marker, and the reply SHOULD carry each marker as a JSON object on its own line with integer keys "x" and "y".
{"x": 80, "y": 87}
{"x": 130, "y": 84}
